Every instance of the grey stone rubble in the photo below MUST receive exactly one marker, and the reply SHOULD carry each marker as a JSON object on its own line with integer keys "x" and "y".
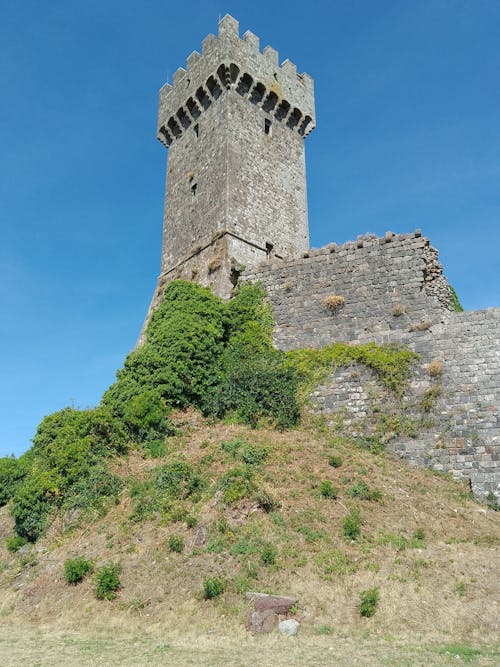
{"x": 234, "y": 122}
{"x": 289, "y": 627}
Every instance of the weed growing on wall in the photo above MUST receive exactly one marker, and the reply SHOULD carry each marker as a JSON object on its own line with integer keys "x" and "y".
{"x": 392, "y": 365}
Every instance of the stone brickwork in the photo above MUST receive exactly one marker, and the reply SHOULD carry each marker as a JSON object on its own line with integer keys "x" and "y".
{"x": 394, "y": 291}
{"x": 388, "y": 284}
{"x": 234, "y": 122}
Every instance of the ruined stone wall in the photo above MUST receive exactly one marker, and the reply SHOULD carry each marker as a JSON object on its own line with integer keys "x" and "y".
{"x": 394, "y": 291}
{"x": 388, "y": 285}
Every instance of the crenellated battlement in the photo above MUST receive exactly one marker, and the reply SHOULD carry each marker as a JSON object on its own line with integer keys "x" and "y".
{"x": 230, "y": 63}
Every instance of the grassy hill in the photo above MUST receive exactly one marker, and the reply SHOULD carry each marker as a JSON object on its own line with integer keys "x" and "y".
{"x": 174, "y": 512}
{"x": 424, "y": 543}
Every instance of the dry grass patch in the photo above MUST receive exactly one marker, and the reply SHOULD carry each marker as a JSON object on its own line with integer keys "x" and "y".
{"x": 435, "y": 368}
{"x": 334, "y": 302}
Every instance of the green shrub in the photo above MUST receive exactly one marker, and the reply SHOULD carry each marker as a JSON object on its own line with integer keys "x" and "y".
{"x": 177, "y": 479}
{"x": 184, "y": 341}
{"x": 351, "y": 525}
{"x": 68, "y": 438}
{"x": 145, "y": 500}
{"x": 368, "y": 602}
{"x": 249, "y": 318}
{"x": 268, "y": 554}
{"x": 213, "y": 587}
{"x": 92, "y": 489}
{"x": 253, "y": 455}
{"x": 246, "y": 452}
{"x": 233, "y": 447}
{"x": 362, "y": 491}
{"x": 155, "y": 448}
{"x": 235, "y": 484}
{"x": 255, "y": 386}
{"x": 12, "y": 472}
{"x": 32, "y": 503}
{"x": 334, "y": 461}
{"x": 108, "y": 581}
{"x": 76, "y": 569}
{"x": 14, "y": 543}
{"x": 327, "y": 490}
{"x": 67, "y": 447}
{"x": 176, "y": 543}
{"x": 146, "y": 416}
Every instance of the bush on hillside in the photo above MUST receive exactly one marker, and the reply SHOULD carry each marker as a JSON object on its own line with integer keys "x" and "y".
{"x": 184, "y": 339}
{"x": 146, "y": 417}
{"x": 236, "y": 483}
{"x": 256, "y": 387}
{"x": 76, "y": 569}
{"x": 351, "y": 525}
{"x": 108, "y": 581}
{"x": 213, "y": 587}
{"x": 31, "y": 504}
{"x": 177, "y": 479}
{"x": 217, "y": 357}
{"x": 368, "y": 602}
{"x": 12, "y": 472}
{"x": 93, "y": 490}
{"x": 68, "y": 448}
{"x": 14, "y": 543}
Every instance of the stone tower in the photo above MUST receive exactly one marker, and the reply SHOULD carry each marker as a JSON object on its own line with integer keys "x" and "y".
{"x": 234, "y": 122}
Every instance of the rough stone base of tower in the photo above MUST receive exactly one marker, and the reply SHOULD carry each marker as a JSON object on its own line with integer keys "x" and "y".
{"x": 217, "y": 264}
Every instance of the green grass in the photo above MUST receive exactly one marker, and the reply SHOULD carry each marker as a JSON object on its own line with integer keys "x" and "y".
{"x": 39, "y": 648}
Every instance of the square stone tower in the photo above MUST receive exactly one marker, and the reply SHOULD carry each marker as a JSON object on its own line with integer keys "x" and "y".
{"x": 234, "y": 122}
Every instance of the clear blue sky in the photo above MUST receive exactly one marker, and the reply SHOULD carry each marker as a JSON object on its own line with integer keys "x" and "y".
{"x": 408, "y": 135}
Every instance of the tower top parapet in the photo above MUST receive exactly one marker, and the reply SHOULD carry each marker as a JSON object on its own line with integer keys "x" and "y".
{"x": 229, "y": 62}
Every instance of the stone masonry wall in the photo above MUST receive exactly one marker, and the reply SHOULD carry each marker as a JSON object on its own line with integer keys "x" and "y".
{"x": 388, "y": 284}
{"x": 234, "y": 123}
{"x": 394, "y": 291}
